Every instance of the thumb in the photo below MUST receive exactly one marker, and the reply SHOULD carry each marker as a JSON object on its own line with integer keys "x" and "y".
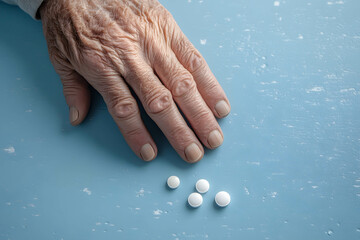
{"x": 77, "y": 96}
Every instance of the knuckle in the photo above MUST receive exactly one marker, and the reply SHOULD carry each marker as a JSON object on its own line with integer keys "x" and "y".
{"x": 189, "y": 55}
{"x": 123, "y": 107}
{"x": 193, "y": 61}
{"x": 159, "y": 101}
{"x": 182, "y": 85}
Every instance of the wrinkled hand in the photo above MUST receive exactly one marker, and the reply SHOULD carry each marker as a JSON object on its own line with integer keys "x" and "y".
{"x": 114, "y": 45}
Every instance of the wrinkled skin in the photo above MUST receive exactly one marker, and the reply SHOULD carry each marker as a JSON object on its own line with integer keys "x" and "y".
{"x": 114, "y": 45}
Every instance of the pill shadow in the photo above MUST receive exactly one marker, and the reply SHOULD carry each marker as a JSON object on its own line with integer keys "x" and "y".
{"x": 218, "y": 208}
{"x": 168, "y": 188}
{"x": 190, "y": 208}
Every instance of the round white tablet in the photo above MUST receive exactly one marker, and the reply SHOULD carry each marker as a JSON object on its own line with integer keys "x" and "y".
{"x": 195, "y": 200}
{"x": 173, "y": 182}
{"x": 202, "y": 186}
{"x": 222, "y": 199}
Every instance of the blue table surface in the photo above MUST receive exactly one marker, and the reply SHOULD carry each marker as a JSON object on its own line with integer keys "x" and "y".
{"x": 290, "y": 159}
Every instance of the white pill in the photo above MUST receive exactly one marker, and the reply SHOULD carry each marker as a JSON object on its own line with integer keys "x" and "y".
{"x": 195, "y": 200}
{"x": 202, "y": 186}
{"x": 222, "y": 199}
{"x": 173, "y": 182}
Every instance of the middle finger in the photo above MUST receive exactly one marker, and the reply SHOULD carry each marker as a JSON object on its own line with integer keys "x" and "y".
{"x": 159, "y": 105}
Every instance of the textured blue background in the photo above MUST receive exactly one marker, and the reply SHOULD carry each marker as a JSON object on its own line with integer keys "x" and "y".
{"x": 290, "y": 160}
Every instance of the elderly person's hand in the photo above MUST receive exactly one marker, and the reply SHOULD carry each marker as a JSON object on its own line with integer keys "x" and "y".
{"x": 114, "y": 45}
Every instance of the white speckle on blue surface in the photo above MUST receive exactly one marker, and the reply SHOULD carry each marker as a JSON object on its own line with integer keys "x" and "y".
{"x": 315, "y": 89}
{"x": 331, "y": 76}
{"x": 140, "y": 193}
{"x": 246, "y": 191}
{"x": 170, "y": 203}
{"x": 9, "y": 149}
{"x": 300, "y": 36}
{"x": 157, "y": 212}
{"x": 276, "y": 3}
{"x": 203, "y": 41}
{"x": 253, "y": 163}
{"x": 273, "y": 194}
{"x": 335, "y": 2}
{"x": 86, "y": 190}
{"x": 268, "y": 83}
{"x": 8, "y": 203}
{"x": 348, "y": 90}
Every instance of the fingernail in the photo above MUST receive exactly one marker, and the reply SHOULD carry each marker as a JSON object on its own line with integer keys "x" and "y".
{"x": 74, "y": 114}
{"x": 147, "y": 152}
{"x": 193, "y": 153}
{"x": 222, "y": 108}
{"x": 215, "y": 139}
